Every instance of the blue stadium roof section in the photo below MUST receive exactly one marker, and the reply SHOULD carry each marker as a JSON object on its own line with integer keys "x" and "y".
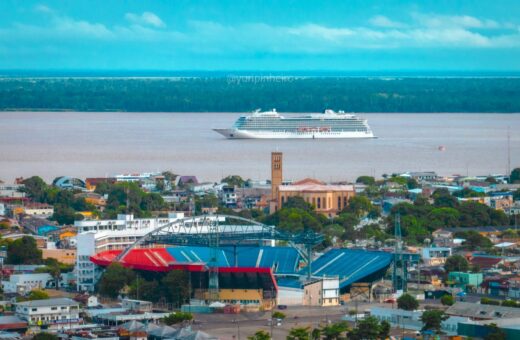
{"x": 351, "y": 265}
{"x": 282, "y": 260}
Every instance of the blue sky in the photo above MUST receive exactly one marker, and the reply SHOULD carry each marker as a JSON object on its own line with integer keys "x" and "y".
{"x": 349, "y": 35}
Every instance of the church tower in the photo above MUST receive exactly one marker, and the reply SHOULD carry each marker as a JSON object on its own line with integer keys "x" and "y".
{"x": 276, "y": 174}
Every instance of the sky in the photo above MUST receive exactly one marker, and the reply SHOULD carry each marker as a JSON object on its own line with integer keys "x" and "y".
{"x": 267, "y": 35}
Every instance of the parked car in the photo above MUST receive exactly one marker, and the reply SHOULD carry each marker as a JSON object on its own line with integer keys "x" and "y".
{"x": 282, "y": 306}
{"x": 390, "y": 300}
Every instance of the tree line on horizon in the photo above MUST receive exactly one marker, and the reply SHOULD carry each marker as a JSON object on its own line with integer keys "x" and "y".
{"x": 290, "y": 94}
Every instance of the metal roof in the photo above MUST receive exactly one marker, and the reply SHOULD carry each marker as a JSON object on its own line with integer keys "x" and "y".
{"x": 49, "y": 302}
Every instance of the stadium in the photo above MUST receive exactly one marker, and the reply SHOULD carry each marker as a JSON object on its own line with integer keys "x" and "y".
{"x": 234, "y": 260}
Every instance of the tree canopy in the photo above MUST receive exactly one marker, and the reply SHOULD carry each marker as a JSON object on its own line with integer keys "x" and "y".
{"x": 177, "y": 317}
{"x": 515, "y": 176}
{"x": 432, "y": 320}
{"x": 456, "y": 263}
{"x": 407, "y": 302}
{"x": 307, "y": 94}
{"x": 114, "y": 279}
{"x": 23, "y": 251}
{"x": 233, "y": 180}
{"x": 370, "y": 329}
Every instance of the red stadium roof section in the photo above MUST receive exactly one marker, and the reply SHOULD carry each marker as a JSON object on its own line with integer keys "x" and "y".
{"x": 153, "y": 259}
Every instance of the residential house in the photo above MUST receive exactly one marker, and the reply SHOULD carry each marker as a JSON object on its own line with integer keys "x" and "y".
{"x": 465, "y": 281}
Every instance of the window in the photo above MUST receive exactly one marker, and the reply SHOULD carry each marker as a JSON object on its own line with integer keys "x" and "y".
{"x": 339, "y": 203}
{"x": 54, "y": 308}
{"x": 319, "y": 203}
{"x": 34, "y": 309}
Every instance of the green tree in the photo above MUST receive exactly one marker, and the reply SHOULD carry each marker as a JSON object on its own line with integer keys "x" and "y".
{"x": 468, "y": 193}
{"x": 359, "y": 205}
{"x": 176, "y": 287}
{"x": 432, "y": 320}
{"x": 24, "y": 251}
{"x": 407, "y": 302}
{"x": 37, "y": 294}
{"x": 367, "y": 329}
{"x": 495, "y": 333}
{"x": 516, "y": 195}
{"x": 443, "y": 198}
{"x": 447, "y": 300}
{"x": 35, "y": 187}
{"x": 260, "y": 335}
{"x": 384, "y": 329}
{"x": 45, "y": 336}
{"x": 169, "y": 176}
{"x": 299, "y": 333}
{"x": 206, "y": 201}
{"x": 55, "y": 268}
{"x": 488, "y": 301}
{"x": 152, "y": 202}
{"x": 177, "y": 317}
{"x": 443, "y": 218}
{"x": 233, "y": 180}
{"x": 510, "y": 303}
{"x": 411, "y": 183}
{"x": 335, "y": 331}
{"x": 114, "y": 279}
{"x": 316, "y": 334}
{"x": 515, "y": 176}
{"x": 474, "y": 240}
{"x": 278, "y": 315}
{"x": 64, "y": 214}
{"x": 367, "y": 180}
{"x": 143, "y": 289}
{"x": 456, "y": 263}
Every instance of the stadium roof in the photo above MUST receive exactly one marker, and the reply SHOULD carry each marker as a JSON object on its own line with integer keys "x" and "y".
{"x": 278, "y": 259}
{"x": 351, "y": 265}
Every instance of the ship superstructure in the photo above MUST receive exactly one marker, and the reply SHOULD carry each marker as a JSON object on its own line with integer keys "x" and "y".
{"x": 270, "y": 124}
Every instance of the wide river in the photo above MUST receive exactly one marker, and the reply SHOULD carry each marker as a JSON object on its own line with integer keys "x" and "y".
{"x": 88, "y": 144}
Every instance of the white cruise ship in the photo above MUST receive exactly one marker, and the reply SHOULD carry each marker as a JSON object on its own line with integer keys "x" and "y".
{"x": 270, "y": 124}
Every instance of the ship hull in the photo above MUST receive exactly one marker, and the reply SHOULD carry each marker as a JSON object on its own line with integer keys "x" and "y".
{"x": 257, "y": 134}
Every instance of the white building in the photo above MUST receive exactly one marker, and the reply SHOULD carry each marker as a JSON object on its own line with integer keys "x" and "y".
{"x": 11, "y": 190}
{"x": 55, "y": 313}
{"x": 321, "y": 292}
{"x": 434, "y": 256}
{"x": 39, "y": 210}
{"x": 23, "y": 283}
{"x": 125, "y": 223}
{"x": 97, "y": 236}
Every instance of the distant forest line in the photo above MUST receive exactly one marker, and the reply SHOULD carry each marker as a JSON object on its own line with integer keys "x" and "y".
{"x": 242, "y": 94}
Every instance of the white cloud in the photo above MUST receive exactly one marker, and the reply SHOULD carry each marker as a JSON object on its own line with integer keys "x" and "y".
{"x": 69, "y": 26}
{"x": 447, "y": 21}
{"x": 145, "y": 19}
{"x": 322, "y": 32}
{"x": 208, "y": 37}
{"x": 382, "y": 21}
{"x": 43, "y": 9}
